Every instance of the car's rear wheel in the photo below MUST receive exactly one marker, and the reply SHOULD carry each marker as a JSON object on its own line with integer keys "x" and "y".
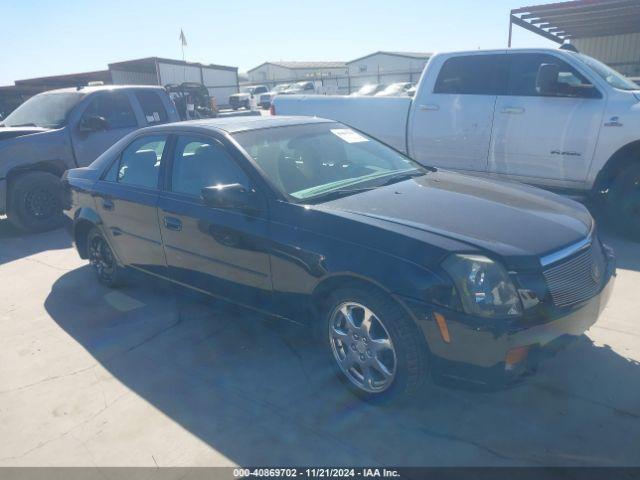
{"x": 623, "y": 201}
{"x": 373, "y": 345}
{"x": 102, "y": 260}
{"x": 35, "y": 201}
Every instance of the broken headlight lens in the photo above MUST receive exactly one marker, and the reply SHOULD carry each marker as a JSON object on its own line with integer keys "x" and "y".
{"x": 484, "y": 286}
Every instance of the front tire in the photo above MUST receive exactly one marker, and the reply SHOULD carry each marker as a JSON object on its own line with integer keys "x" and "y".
{"x": 102, "y": 260}
{"x": 373, "y": 345}
{"x": 623, "y": 201}
{"x": 35, "y": 202}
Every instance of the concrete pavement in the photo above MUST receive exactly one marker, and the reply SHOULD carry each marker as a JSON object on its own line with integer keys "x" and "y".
{"x": 150, "y": 376}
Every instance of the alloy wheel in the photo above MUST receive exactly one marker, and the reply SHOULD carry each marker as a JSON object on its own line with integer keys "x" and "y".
{"x": 101, "y": 258}
{"x": 362, "y": 347}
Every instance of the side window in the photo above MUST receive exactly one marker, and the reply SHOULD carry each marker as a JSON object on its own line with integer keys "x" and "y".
{"x": 523, "y": 73}
{"x": 114, "y": 107}
{"x": 200, "y": 163}
{"x": 139, "y": 163}
{"x": 473, "y": 75}
{"x": 152, "y": 107}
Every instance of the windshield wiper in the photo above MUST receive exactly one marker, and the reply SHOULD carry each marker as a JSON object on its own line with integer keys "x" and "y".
{"x": 399, "y": 177}
{"x": 341, "y": 192}
{"x": 25, "y": 125}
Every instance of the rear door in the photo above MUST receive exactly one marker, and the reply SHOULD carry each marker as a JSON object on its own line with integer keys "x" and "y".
{"x": 115, "y": 107}
{"x": 223, "y": 251}
{"x": 545, "y": 136}
{"x": 126, "y": 199}
{"x": 451, "y": 117}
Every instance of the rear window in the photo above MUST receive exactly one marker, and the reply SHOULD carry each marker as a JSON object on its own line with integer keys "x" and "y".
{"x": 473, "y": 75}
{"x": 152, "y": 107}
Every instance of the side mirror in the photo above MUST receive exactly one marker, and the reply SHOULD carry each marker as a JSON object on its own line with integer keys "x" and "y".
{"x": 94, "y": 123}
{"x": 232, "y": 195}
{"x": 547, "y": 79}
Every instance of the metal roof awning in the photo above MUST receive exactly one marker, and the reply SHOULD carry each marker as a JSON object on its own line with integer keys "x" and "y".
{"x": 578, "y": 19}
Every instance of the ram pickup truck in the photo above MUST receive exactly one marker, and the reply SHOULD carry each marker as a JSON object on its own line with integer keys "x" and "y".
{"x": 553, "y": 118}
{"x": 62, "y": 129}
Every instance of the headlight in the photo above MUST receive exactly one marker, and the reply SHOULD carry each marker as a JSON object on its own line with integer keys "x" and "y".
{"x": 483, "y": 285}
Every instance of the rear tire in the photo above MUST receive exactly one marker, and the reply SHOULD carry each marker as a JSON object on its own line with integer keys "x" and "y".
{"x": 622, "y": 202}
{"x": 102, "y": 260}
{"x": 35, "y": 202}
{"x": 384, "y": 362}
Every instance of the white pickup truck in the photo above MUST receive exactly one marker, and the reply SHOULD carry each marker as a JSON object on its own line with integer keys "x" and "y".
{"x": 552, "y": 118}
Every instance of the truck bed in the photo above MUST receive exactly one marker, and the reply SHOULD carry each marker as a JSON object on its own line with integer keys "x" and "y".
{"x": 384, "y": 118}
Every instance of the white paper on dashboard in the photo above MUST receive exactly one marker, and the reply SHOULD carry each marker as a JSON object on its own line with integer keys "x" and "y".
{"x": 348, "y": 135}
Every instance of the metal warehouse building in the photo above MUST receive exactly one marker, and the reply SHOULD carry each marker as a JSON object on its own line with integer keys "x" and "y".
{"x": 608, "y": 30}
{"x": 387, "y": 67}
{"x": 220, "y": 80}
{"x": 280, "y": 72}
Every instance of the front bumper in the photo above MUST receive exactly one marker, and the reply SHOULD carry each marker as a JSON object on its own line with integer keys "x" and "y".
{"x": 480, "y": 350}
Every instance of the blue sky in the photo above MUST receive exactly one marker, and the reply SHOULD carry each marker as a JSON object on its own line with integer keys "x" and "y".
{"x": 54, "y": 37}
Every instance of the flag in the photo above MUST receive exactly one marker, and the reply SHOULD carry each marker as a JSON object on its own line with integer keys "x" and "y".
{"x": 183, "y": 39}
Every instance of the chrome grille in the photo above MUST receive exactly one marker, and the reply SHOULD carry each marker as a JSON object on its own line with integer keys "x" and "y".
{"x": 578, "y": 277}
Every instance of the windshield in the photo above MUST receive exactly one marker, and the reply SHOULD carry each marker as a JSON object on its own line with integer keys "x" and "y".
{"x": 309, "y": 161}
{"x": 608, "y": 74}
{"x": 48, "y": 110}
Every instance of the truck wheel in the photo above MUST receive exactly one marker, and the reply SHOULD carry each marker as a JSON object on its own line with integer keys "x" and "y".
{"x": 373, "y": 345}
{"x": 102, "y": 260}
{"x": 35, "y": 202}
{"x": 623, "y": 201}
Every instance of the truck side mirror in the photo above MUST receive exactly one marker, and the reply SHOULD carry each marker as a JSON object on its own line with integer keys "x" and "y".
{"x": 94, "y": 123}
{"x": 547, "y": 79}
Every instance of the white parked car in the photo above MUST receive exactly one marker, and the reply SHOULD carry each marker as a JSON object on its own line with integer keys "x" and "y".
{"x": 265, "y": 99}
{"x": 369, "y": 89}
{"x": 246, "y": 96}
{"x": 552, "y": 118}
{"x": 395, "y": 89}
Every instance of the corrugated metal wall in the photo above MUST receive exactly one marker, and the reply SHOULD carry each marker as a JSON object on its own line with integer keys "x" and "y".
{"x": 621, "y": 52}
{"x": 128, "y": 77}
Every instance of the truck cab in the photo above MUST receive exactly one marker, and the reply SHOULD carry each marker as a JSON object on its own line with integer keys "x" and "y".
{"x": 552, "y": 118}
{"x": 62, "y": 129}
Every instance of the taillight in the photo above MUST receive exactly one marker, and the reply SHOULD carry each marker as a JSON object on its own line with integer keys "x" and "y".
{"x": 272, "y": 109}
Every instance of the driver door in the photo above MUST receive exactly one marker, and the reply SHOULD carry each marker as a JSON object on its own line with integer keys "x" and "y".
{"x": 115, "y": 108}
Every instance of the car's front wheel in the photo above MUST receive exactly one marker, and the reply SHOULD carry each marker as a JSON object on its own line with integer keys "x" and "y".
{"x": 102, "y": 260}
{"x": 373, "y": 345}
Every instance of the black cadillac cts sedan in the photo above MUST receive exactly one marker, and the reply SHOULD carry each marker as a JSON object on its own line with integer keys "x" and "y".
{"x": 403, "y": 271}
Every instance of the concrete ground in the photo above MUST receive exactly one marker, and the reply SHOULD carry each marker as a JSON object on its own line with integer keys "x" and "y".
{"x": 147, "y": 375}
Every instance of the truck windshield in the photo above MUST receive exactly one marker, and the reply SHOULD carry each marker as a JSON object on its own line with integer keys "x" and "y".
{"x": 608, "y": 74}
{"x": 47, "y": 110}
{"x": 307, "y": 162}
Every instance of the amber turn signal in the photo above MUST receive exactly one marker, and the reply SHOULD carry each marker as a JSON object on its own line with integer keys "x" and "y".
{"x": 442, "y": 326}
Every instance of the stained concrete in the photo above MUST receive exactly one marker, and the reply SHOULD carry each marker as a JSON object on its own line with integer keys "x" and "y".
{"x": 150, "y": 376}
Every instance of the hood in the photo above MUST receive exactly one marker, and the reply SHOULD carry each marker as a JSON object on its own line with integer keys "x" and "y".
{"x": 12, "y": 132}
{"x": 517, "y": 222}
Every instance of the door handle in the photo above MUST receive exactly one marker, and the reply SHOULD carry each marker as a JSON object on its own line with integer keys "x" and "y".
{"x": 512, "y": 110}
{"x": 172, "y": 223}
{"x": 431, "y": 108}
{"x": 107, "y": 204}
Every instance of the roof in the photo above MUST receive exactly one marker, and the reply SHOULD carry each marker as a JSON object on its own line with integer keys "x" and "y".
{"x": 302, "y": 65}
{"x": 68, "y": 79}
{"x": 97, "y": 88}
{"x": 242, "y": 124}
{"x": 149, "y": 64}
{"x": 415, "y": 55}
{"x": 579, "y": 18}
